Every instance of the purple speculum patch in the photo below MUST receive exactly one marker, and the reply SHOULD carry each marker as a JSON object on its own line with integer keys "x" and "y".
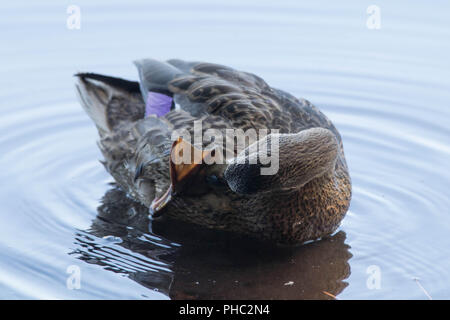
{"x": 158, "y": 104}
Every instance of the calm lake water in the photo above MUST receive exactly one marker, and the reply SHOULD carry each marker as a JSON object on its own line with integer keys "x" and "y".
{"x": 387, "y": 90}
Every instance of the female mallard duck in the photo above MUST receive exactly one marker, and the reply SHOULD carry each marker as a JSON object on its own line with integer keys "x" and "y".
{"x": 305, "y": 199}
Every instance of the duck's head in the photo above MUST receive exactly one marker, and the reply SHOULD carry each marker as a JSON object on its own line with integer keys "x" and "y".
{"x": 277, "y": 161}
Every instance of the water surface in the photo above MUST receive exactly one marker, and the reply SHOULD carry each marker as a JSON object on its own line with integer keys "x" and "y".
{"x": 386, "y": 90}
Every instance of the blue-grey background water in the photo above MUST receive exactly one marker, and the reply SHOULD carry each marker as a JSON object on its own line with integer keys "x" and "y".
{"x": 387, "y": 90}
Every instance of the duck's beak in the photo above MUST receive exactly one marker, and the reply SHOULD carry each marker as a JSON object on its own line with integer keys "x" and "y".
{"x": 159, "y": 203}
{"x": 185, "y": 162}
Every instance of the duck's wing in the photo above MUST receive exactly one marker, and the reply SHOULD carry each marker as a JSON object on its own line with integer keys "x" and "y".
{"x": 205, "y": 89}
{"x": 161, "y": 77}
{"x": 223, "y": 96}
{"x": 243, "y": 99}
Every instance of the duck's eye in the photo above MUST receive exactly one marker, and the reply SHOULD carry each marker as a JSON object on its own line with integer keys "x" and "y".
{"x": 213, "y": 180}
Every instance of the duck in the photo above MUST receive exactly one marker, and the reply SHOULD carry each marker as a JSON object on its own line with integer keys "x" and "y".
{"x": 206, "y": 144}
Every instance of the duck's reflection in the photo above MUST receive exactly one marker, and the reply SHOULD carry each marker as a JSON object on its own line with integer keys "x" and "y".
{"x": 201, "y": 264}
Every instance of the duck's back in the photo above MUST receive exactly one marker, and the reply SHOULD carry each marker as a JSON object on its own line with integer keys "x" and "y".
{"x": 243, "y": 99}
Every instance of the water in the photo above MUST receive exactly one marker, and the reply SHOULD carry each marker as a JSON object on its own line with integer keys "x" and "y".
{"x": 386, "y": 90}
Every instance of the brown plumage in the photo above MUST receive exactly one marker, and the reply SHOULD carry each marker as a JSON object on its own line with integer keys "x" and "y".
{"x": 305, "y": 200}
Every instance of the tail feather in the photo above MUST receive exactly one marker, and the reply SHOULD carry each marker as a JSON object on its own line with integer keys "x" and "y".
{"x": 118, "y": 83}
{"x": 109, "y": 101}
